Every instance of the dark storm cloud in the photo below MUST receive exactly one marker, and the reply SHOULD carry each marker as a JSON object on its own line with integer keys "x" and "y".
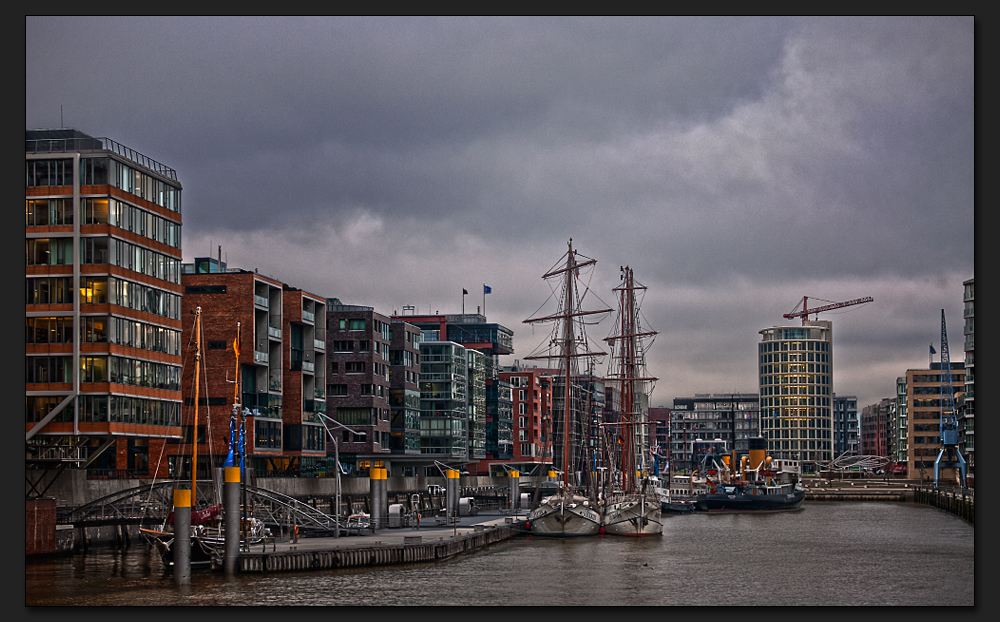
{"x": 737, "y": 164}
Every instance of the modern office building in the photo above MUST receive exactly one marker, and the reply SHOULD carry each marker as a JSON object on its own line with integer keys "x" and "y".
{"x": 358, "y": 357}
{"x": 795, "y": 368}
{"x": 967, "y": 408}
{"x": 492, "y": 341}
{"x": 499, "y": 424}
{"x": 845, "y": 425}
{"x": 444, "y": 419}
{"x": 103, "y": 322}
{"x": 476, "y": 400}
{"x": 732, "y": 418}
{"x": 923, "y": 404}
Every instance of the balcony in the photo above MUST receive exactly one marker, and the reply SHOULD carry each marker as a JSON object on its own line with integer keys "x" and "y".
{"x": 261, "y": 301}
{"x": 274, "y": 333}
{"x": 308, "y": 316}
{"x": 261, "y": 357}
{"x": 319, "y": 344}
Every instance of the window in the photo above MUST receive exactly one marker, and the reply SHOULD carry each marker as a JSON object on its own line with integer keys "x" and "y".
{"x": 50, "y": 290}
{"x": 48, "y": 330}
{"x": 48, "y": 251}
{"x": 343, "y": 346}
{"x": 354, "y": 367}
{"x": 40, "y": 212}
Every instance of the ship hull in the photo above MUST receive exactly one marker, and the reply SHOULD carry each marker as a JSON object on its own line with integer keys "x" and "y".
{"x": 744, "y": 502}
{"x": 163, "y": 542}
{"x": 564, "y": 517}
{"x": 676, "y": 507}
{"x": 634, "y": 517}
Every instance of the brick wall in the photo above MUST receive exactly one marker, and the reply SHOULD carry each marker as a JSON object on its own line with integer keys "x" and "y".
{"x": 39, "y": 526}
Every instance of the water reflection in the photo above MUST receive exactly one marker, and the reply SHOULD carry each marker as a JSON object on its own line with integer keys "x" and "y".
{"x": 825, "y": 554}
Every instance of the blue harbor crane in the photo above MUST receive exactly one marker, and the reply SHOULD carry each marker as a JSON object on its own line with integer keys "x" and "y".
{"x": 949, "y": 456}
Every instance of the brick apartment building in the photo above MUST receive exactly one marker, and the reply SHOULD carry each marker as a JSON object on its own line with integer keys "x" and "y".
{"x": 531, "y": 400}
{"x": 280, "y": 366}
{"x": 358, "y": 393}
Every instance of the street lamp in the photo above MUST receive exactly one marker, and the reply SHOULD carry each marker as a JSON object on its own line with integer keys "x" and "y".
{"x": 336, "y": 458}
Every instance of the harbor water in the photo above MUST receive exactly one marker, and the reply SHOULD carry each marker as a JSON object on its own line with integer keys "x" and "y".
{"x": 825, "y": 554}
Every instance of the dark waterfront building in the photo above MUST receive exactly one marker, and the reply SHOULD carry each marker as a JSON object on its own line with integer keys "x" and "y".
{"x": 845, "y": 425}
{"x": 103, "y": 344}
{"x": 659, "y": 434}
{"x": 404, "y": 390}
{"x": 358, "y": 346}
{"x": 733, "y": 418}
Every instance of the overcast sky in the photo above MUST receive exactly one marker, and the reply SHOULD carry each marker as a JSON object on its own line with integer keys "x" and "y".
{"x": 736, "y": 164}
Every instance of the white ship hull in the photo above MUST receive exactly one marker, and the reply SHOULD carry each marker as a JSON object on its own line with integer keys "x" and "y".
{"x": 564, "y": 516}
{"x": 634, "y": 516}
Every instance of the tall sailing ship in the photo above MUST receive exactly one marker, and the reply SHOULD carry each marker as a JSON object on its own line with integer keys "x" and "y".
{"x": 571, "y": 511}
{"x": 633, "y": 505}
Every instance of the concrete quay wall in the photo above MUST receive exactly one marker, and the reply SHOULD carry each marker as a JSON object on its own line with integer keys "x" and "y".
{"x": 955, "y": 500}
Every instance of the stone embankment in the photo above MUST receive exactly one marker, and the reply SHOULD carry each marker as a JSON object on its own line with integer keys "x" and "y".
{"x": 954, "y": 500}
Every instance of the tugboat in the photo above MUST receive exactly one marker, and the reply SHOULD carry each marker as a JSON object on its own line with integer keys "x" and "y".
{"x": 757, "y": 490}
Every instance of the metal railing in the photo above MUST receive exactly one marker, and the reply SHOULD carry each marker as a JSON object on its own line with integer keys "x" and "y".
{"x": 55, "y": 145}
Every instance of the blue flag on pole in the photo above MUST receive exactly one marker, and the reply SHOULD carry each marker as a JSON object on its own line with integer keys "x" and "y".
{"x": 232, "y": 442}
{"x": 487, "y": 289}
{"x": 932, "y": 350}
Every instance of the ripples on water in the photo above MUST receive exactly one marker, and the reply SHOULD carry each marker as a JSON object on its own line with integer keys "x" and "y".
{"x": 824, "y": 554}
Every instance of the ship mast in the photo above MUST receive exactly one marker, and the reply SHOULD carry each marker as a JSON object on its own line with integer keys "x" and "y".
{"x": 570, "y": 314}
{"x": 194, "y": 428}
{"x": 631, "y": 374}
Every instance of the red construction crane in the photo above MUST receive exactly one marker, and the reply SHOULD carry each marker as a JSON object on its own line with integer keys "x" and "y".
{"x": 805, "y": 311}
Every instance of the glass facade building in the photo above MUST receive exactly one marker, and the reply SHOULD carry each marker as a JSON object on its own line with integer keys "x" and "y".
{"x": 795, "y": 368}
{"x": 102, "y": 304}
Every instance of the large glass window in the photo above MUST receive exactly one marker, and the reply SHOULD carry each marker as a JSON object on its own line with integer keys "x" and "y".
{"x": 48, "y": 290}
{"x": 48, "y": 251}
{"x": 48, "y": 330}
{"x": 93, "y": 171}
{"x": 57, "y": 172}
{"x": 43, "y": 212}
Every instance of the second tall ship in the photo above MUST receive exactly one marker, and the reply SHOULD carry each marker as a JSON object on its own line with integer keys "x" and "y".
{"x": 632, "y": 506}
